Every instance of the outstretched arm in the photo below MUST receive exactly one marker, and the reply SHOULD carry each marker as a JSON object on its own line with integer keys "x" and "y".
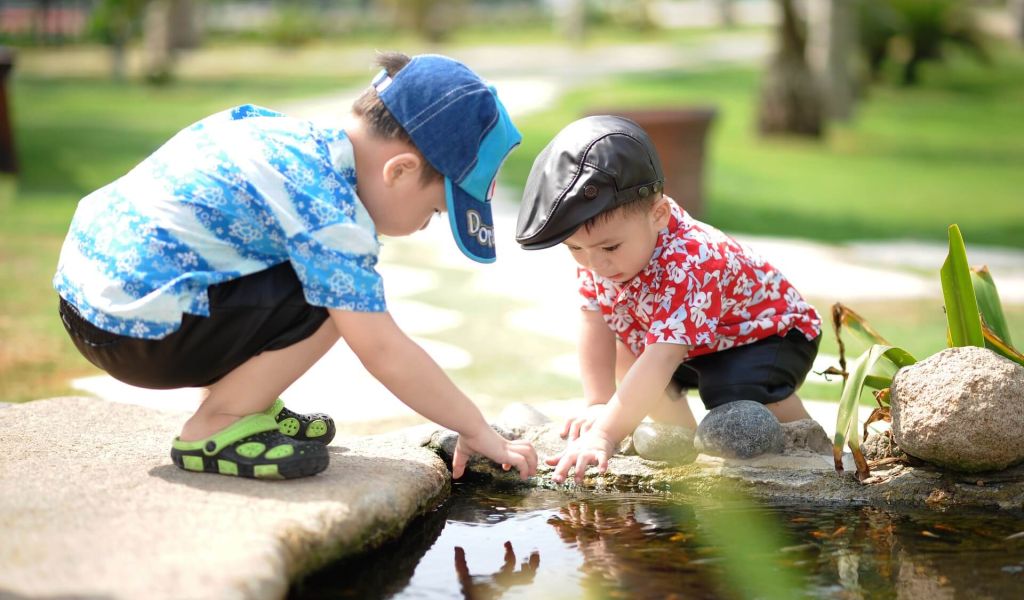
{"x": 641, "y": 389}
{"x": 410, "y": 374}
{"x": 597, "y": 372}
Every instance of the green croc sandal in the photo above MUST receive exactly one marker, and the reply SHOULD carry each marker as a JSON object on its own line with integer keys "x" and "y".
{"x": 251, "y": 447}
{"x": 316, "y": 427}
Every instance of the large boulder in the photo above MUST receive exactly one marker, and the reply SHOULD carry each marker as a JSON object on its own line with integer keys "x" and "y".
{"x": 741, "y": 429}
{"x": 961, "y": 409}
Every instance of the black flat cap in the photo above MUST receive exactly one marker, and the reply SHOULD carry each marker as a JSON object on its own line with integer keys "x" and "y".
{"x": 591, "y": 166}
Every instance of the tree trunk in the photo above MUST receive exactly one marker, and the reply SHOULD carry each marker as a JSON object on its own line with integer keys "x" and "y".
{"x": 572, "y": 20}
{"x": 184, "y": 23}
{"x": 727, "y": 13}
{"x": 156, "y": 33}
{"x": 832, "y": 46}
{"x": 791, "y": 102}
{"x": 1017, "y": 10}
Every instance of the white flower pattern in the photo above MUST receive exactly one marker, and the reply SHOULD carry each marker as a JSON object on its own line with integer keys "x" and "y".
{"x": 202, "y": 210}
{"x": 700, "y": 289}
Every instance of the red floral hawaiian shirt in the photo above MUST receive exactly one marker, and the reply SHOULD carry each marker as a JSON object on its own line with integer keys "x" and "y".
{"x": 702, "y": 289}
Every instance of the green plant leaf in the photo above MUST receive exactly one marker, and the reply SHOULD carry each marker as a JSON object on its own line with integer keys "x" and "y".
{"x": 988, "y": 303}
{"x": 874, "y": 368}
{"x": 864, "y": 335}
{"x": 996, "y": 344}
{"x": 962, "y": 316}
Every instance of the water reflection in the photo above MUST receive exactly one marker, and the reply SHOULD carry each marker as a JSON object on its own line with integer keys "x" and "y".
{"x": 487, "y": 545}
{"x": 485, "y": 587}
{"x": 635, "y": 550}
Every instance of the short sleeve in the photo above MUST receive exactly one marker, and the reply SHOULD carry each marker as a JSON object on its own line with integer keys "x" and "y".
{"x": 334, "y": 278}
{"x": 688, "y": 305}
{"x": 588, "y": 289}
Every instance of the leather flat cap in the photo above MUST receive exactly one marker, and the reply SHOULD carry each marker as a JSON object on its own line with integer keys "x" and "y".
{"x": 593, "y": 165}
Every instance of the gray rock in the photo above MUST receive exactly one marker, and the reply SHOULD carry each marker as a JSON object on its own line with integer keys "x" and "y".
{"x": 519, "y": 416}
{"x": 669, "y": 443}
{"x": 798, "y": 477}
{"x": 805, "y": 434}
{"x": 443, "y": 442}
{"x": 742, "y": 429}
{"x": 961, "y": 409}
{"x": 93, "y": 507}
{"x": 879, "y": 446}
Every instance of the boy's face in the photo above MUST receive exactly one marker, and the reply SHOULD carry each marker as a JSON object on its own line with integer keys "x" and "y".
{"x": 401, "y": 210}
{"x": 621, "y": 246}
{"x": 394, "y": 194}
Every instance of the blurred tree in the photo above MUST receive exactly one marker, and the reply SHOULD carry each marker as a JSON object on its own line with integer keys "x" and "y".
{"x": 912, "y": 32}
{"x": 1017, "y": 11}
{"x": 433, "y": 20}
{"x": 114, "y": 22}
{"x": 158, "y": 58}
{"x": 727, "y": 13}
{"x": 832, "y": 47}
{"x": 791, "y": 102}
{"x": 572, "y": 20}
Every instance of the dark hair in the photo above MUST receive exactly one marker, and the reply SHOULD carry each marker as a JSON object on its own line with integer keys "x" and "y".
{"x": 369, "y": 107}
{"x": 629, "y": 208}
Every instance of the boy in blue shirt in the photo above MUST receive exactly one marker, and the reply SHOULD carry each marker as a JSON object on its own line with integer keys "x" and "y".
{"x": 240, "y": 251}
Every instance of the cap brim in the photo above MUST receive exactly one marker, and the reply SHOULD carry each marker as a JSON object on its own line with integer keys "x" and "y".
{"x": 471, "y": 222}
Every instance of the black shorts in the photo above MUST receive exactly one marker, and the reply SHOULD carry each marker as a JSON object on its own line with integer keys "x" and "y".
{"x": 765, "y": 371}
{"x": 249, "y": 315}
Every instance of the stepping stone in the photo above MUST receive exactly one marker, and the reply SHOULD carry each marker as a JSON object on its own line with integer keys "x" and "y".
{"x": 93, "y": 508}
{"x": 741, "y": 429}
{"x": 668, "y": 443}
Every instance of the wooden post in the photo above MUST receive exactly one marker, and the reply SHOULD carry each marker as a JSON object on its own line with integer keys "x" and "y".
{"x": 8, "y": 157}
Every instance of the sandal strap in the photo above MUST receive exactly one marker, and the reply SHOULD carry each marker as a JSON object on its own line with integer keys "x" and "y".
{"x": 236, "y": 432}
{"x": 275, "y": 409}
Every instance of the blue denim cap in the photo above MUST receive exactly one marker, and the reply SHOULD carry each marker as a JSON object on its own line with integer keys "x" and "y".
{"x": 457, "y": 122}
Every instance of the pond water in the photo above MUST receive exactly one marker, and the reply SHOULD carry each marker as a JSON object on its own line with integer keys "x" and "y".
{"x": 484, "y": 543}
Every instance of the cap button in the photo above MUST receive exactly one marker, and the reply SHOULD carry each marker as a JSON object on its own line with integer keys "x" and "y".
{"x": 590, "y": 192}
{"x": 644, "y": 192}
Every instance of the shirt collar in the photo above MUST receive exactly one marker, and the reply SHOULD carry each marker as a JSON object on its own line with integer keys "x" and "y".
{"x": 664, "y": 238}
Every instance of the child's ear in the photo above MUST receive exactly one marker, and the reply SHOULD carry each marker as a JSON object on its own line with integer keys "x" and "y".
{"x": 661, "y": 212}
{"x": 401, "y": 165}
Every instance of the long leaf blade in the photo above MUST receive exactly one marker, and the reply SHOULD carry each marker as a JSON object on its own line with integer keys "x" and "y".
{"x": 962, "y": 314}
{"x": 865, "y": 370}
{"x": 988, "y": 303}
{"x": 998, "y": 345}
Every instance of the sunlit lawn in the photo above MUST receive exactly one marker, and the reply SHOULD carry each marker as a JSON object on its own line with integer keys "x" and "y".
{"x": 912, "y": 162}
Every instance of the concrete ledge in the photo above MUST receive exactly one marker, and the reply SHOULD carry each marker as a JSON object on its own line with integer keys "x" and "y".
{"x": 90, "y": 505}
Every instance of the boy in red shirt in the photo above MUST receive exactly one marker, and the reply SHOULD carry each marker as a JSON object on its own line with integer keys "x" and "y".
{"x": 669, "y": 302}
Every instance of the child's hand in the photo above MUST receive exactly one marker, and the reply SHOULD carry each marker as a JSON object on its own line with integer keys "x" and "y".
{"x": 590, "y": 449}
{"x": 514, "y": 453}
{"x": 576, "y": 426}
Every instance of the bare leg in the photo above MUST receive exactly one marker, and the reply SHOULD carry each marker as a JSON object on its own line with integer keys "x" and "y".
{"x": 671, "y": 408}
{"x": 789, "y": 409}
{"x": 253, "y": 386}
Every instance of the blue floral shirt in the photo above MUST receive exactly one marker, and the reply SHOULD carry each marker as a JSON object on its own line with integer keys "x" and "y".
{"x": 236, "y": 193}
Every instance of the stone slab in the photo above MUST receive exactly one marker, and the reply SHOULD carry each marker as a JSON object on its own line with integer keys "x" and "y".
{"x": 91, "y": 506}
{"x": 798, "y": 475}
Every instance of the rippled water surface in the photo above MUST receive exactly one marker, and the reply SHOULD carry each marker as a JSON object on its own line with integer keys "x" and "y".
{"x": 550, "y": 544}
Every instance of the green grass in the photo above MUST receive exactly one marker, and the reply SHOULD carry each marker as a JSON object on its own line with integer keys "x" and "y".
{"x": 912, "y": 162}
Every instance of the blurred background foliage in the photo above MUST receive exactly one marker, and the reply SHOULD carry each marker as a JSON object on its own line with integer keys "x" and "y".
{"x": 917, "y": 110}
